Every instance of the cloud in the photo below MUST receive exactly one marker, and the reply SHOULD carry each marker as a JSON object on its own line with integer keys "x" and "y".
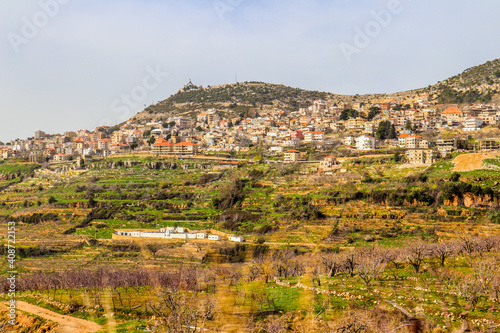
{"x": 93, "y": 52}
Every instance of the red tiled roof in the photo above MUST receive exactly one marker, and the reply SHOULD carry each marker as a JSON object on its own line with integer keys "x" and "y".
{"x": 452, "y": 110}
{"x": 185, "y": 144}
{"x": 162, "y": 143}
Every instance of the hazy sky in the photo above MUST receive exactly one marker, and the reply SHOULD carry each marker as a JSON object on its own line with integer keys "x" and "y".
{"x": 71, "y": 64}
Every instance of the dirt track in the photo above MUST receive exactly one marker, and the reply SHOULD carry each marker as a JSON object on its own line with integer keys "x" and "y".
{"x": 67, "y": 324}
{"x": 471, "y": 162}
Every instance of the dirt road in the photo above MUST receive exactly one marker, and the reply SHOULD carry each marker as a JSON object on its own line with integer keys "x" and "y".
{"x": 471, "y": 162}
{"x": 67, "y": 324}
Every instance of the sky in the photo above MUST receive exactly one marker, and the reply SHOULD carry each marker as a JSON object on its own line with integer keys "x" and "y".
{"x": 74, "y": 64}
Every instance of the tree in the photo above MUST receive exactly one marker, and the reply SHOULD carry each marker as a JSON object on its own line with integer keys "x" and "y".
{"x": 415, "y": 254}
{"x": 52, "y": 200}
{"x": 385, "y": 130}
{"x": 370, "y": 264}
{"x": 443, "y": 250}
{"x": 151, "y": 140}
{"x": 333, "y": 263}
{"x": 348, "y": 114}
{"x": 133, "y": 145}
{"x": 374, "y": 111}
{"x": 408, "y": 126}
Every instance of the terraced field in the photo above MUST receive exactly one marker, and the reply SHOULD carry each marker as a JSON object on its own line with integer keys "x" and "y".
{"x": 293, "y": 220}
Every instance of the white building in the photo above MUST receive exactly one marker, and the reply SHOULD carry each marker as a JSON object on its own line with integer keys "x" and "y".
{"x": 236, "y": 239}
{"x": 350, "y": 141}
{"x": 314, "y": 136}
{"x": 365, "y": 142}
{"x": 473, "y": 124}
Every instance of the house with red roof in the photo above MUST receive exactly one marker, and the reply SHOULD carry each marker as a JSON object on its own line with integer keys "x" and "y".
{"x": 162, "y": 147}
{"x": 452, "y": 114}
{"x": 292, "y": 155}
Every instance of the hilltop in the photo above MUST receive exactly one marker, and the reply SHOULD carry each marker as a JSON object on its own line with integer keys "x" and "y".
{"x": 237, "y": 99}
{"x": 479, "y": 84}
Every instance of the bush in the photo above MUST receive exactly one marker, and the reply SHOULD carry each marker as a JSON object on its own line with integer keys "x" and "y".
{"x": 260, "y": 240}
{"x": 455, "y": 177}
{"x": 52, "y": 200}
{"x": 260, "y": 250}
{"x": 234, "y": 254}
{"x": 230, "y": 195}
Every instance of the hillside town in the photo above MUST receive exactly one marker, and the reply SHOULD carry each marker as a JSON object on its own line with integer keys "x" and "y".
{"x": 413, "y": 125}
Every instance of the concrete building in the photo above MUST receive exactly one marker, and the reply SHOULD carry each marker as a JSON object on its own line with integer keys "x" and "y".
{"x": 420, "y": 156}
{"x": 292, "y": 155}
{"x": 365, "y": 142}
{"x": 472, "y": 124}
{"x": 187, "y": 148}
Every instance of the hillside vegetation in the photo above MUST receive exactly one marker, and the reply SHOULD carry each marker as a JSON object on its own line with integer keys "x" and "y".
{"x": 237, "y": 99}
{"x": 329, "y": 253}
{"x": 479, "y": 84}
{"x": 475, "y": 85}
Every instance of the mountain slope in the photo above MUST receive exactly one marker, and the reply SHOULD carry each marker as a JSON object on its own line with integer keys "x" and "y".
{"x": 237, "y": 99}
{"x": 476, "y": 84}
{"x": 479, "y": 84}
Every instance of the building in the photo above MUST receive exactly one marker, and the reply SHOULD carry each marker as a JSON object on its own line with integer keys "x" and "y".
{"x": 472, "y": 124}
{"x": 60, "y": 157}
{"x": 185, "y": 148}
{"x": 402, "y": 139}
{"x": 413, "y": 141}
{"x": 162, "y": 147}
{"x": 355, "y": 124}
{"x": 292, "y": 155}
{"x": 181, "y": 122}
{"x": 236, "y": 239}
{"x": 420, "y": 156}
{"x": 365, "y": 142}
{"x": 452, "y": 114}
{"x": 328, "y": 163}
{"x": 489, "y": 144}
{"x": 37, "y": 157}
{"x": 160, "y": 132}
{"x": 39, "y": 135}
{"x": 314, "y": 136}
{"x": 350, "y": 141}
{"x": 446, "y": 145}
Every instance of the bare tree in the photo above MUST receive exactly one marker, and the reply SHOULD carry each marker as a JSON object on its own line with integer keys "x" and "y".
{"x": 350, "y": 262}
{"x": 471, "y": 290}
{"x": 415, "y": 253}
{"x": 444, "y": 250}
{"x": 175, "y": 311}
{"x": 333, "y": 263}
{"x": 370, "y": 264}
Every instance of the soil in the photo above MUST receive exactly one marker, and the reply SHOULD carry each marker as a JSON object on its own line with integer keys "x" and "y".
{"x": 471, "y": 162}
{"x": 66, "y": 324}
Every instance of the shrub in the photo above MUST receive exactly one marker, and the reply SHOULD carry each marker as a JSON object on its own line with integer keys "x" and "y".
{"x": 454, "y": 177}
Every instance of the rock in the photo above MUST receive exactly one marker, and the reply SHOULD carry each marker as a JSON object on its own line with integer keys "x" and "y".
{"x": 368, "y": 238}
